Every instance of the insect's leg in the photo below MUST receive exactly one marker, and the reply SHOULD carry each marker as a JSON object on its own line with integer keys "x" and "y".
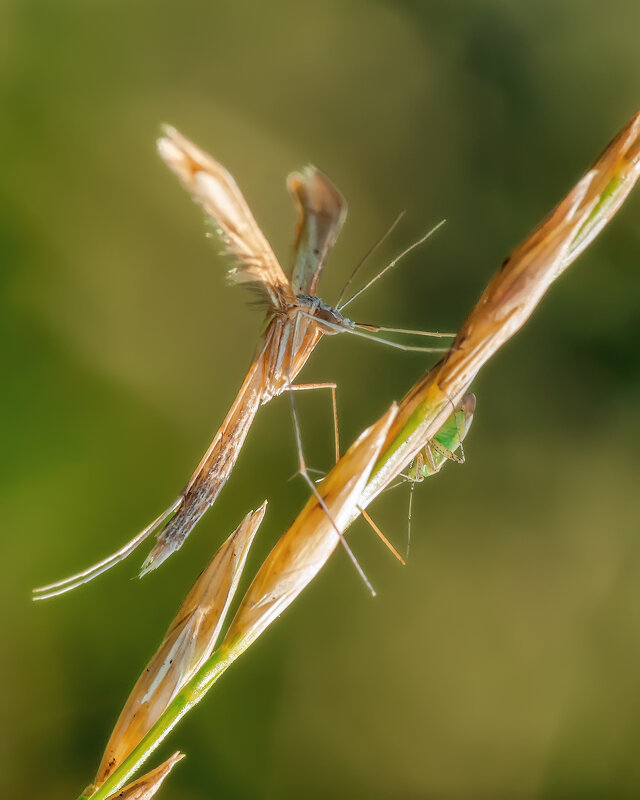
{"x": 381, "y": 535}
{"x": 299, "y": 387}
{"x": 413, "y": 486}
{"x": 302, "y": 469}
{"x": 332, "y": 326}
{"x": 439, "y": 448}
{"x": 72, "y": 582}
{"x": 395, "y": 485}
{"x": 460, "y": 459}
{"x": 332, "y": 386}
{"x": 359, "y": 328}
{"x": 428, "y": 451}
{"x": 415, "y": 475}
{"x": 409, "y": 331}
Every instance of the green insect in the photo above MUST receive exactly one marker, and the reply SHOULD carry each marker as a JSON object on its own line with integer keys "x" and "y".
{"x": 440, "y": 449}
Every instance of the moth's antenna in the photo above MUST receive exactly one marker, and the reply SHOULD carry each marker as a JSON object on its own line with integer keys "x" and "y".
{"x": 367, "y": 255}
{"x": 392, "y": 263}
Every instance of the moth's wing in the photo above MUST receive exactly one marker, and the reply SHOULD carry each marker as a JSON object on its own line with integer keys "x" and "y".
{"x": 321, "y": 214}
{"x": 212, "y": 186}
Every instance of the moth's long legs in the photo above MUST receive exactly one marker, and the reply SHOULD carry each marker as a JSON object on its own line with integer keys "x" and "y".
{"x": 397, "y": 345}
{"x": 332, "y": 326}
{"x": 409, "y": 331}
{"x": 301, "y": 387}
{"x": 302, "y": 469}
{"x": 367, "y": 517}
{"x": 381, "y": 535}
{"x": 333, "y": 386}
{"x": 364, "y": 513}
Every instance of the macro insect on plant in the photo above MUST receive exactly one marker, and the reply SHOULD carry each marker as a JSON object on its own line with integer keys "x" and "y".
{"x": 296, "y": 320}
{"x": 381, "y": 454}
{"x": 442, "y": 447}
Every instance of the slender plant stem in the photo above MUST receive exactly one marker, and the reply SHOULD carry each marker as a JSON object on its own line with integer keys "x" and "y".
{"x": 187, "y": 697}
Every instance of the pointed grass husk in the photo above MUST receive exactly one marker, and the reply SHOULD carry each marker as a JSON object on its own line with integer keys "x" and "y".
{"x": 294, "y": 561}
{"x": 148, "y": 785}
{"x": 509, "y": 300}
{"x": 306, "y": 546}
{"x": 187, "y": 644}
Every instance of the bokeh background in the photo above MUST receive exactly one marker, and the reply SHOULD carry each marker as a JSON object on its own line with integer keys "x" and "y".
{"x": 504, "y": 660}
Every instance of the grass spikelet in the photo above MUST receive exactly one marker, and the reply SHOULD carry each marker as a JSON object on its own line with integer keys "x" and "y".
{"x": 292, "y": 564}
{"x": 188, "y": 643}
{"x": 304, "y": 549}
{"x": 148, "y": 785}
{"x": 509, "y": 300}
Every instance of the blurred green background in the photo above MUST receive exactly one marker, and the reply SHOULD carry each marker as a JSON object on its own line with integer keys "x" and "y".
{"x": 504, "y": 660}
